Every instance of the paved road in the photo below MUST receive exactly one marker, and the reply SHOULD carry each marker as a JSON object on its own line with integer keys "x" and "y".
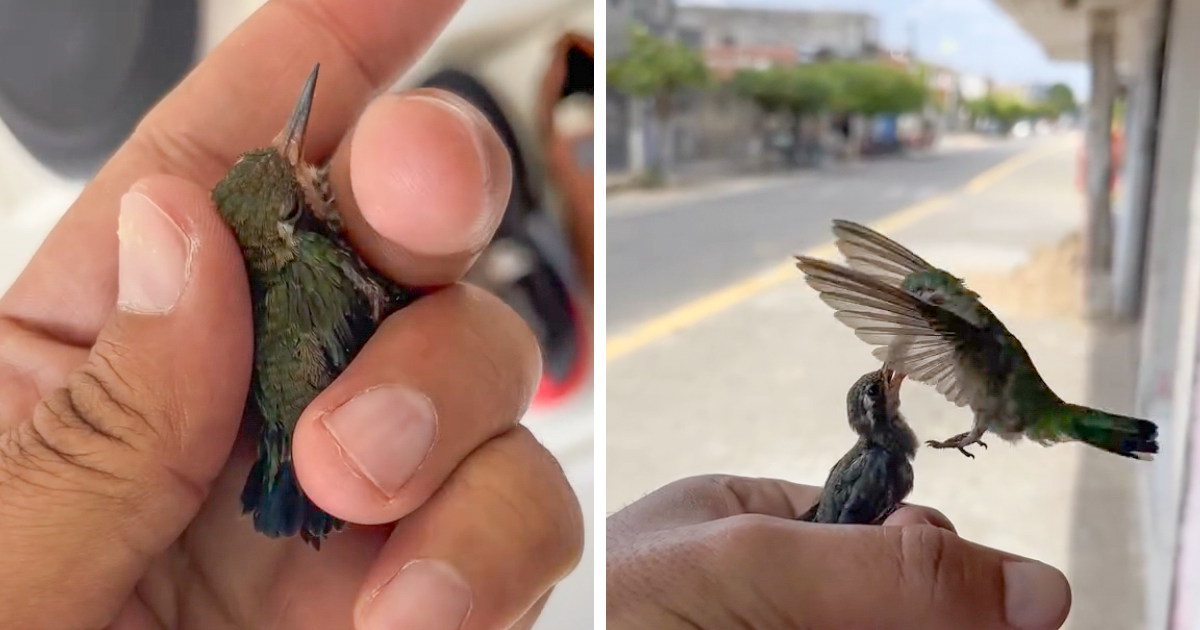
{"x": 667, "y": 248}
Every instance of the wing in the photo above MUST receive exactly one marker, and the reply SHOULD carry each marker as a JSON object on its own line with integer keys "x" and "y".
{"x": 874, "y": 254}
{"x": 928, "y": 343}
{"x": 314, "y": 320}
{"x": 862, "y": 492}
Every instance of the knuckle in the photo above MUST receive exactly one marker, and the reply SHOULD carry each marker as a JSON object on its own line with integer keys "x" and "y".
{"x": 115, "y": 406}
{"x": 522, "y": 491}
{"x": 736, "y": 539}
{"x": 61, "y": 449}
{"x": 926, "y": 565}
{"x": 556, "y": 522}
{"x": 701, "y": 486}
{"x": 87, "y": 424}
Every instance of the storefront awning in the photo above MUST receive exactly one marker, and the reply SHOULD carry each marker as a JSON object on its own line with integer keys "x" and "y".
{"x": 1061, "y": 26}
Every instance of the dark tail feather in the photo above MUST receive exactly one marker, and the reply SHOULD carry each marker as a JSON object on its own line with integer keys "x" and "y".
{"x": 810, "y": 514}
{"x": 1123, "y": 435}
{"x": 274, "y": 497}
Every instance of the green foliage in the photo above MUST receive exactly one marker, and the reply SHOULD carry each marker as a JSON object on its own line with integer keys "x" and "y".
{"x": 798, "y": 90}
{"x": 1060, "y": 99}
{"x": 656, "y": 67}
{"x": 872, "y": 89}
{"x": 1004, "y": 109}
{"x": 844, "y": 86}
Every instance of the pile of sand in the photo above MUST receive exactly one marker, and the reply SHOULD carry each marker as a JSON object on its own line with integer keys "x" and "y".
{"x": 1049, "y": 284}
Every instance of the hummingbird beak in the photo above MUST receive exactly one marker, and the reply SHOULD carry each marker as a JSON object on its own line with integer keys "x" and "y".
{"x": 892, "y": 380}
{"x": 290, "y": 142}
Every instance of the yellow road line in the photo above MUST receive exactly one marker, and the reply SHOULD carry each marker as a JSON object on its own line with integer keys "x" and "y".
{"x": 684, "y": 316}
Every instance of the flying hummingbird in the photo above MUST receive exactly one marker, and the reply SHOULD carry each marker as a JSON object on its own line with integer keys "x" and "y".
{"x": 315, "y": 304}
{"x": 930, "y": 326}
{"x": 875, "y": 475}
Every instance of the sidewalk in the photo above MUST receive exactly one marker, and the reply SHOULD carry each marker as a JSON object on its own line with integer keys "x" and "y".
{"x": 759, "y": 389}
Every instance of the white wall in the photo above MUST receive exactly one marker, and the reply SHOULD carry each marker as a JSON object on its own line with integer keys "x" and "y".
{"x": 1165, "y": 391}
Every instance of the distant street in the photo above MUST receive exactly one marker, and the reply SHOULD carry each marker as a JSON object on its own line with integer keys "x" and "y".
{"x": 667, "y": 248}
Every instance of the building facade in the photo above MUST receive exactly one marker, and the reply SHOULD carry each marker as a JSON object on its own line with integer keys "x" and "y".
{"x": 805, "y": 33}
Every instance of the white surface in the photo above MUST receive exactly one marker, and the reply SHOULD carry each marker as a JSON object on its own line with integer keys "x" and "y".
{"x": 568, "y": 432}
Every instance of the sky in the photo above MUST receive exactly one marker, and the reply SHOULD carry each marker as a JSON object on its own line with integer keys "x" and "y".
{"x": 969, "y": 35}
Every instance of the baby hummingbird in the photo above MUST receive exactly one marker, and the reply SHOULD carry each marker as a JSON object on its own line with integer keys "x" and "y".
{"x": 870, "y": 480}
{"x": 316, "y": 302}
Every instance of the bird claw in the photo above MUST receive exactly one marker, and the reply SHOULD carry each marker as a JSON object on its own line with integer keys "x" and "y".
{"x": 959, "y": 442}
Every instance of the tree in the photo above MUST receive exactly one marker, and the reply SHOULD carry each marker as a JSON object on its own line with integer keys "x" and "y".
{"x": 797, "y": 91}
{"x": 1005, "y": 109}
{"x": 1060, "y": 99}
{"x": 659, "y": 70}
{"x": 872, "y": 89}
{"x": 864, "y": 90}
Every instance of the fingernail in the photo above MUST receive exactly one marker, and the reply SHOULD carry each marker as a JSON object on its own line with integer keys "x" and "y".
{"x": 1036, "y": 595}
{"x": 153, "y": 260}
{"x": 491, "y": 152}
{"x": 384, "y": 434}
{"x": 424, "y": 595}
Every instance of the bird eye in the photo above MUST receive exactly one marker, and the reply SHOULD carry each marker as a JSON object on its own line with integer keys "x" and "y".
{"x": 290, "y": 212}
{"x": 873, "y": 389}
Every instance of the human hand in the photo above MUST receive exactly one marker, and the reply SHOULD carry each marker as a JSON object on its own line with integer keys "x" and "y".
{"x": 722, "y": 552}
{"x": 123, "y": 376}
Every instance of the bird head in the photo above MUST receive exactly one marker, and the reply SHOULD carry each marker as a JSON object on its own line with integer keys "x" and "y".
{"x": 874, "y": 400}
{"x": 270, "y": 190}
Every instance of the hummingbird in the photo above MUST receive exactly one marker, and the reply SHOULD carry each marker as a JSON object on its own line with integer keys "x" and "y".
{"x": 930, "y": 326}
{"x": 873, "y": 477}
{"x": 315, "y": 304}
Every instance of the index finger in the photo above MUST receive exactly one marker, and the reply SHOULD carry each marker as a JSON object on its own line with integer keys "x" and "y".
{"x": 232, "y": 101}
{"x": 705, "y": 498}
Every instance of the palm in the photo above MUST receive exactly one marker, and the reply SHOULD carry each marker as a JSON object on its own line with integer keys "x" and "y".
{"x": 220, "y": 571}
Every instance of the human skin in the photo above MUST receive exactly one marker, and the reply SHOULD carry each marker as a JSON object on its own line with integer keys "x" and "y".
{"x": 125, "y": 362}
{"x": 716, "y": 551}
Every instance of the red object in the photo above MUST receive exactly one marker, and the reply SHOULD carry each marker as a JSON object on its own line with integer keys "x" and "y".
{"x": 551, "y": 391}
{"x": 1118, "y": 152}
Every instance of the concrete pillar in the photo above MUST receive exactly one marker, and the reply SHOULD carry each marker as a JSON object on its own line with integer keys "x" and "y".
{"x": 1141, "y": 142}
{"x": 1102, "y": 43}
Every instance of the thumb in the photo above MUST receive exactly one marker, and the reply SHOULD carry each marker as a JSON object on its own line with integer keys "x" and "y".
{"x": 111, "y": 467}
{"x": 918, "y": 576}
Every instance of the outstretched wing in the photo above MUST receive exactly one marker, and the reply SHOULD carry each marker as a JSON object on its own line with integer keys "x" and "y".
{"x": 876, "y": 255}
{"x": 928, "y": 343}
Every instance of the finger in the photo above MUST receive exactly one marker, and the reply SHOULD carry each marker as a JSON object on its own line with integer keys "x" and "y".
{"x": 422, "y": 184}
{"x": 236, "y": 99}
{"x": 504, "y": 529}
{"x": 389, "y": 431}
{"x": 530, "y": 617}
{"x": 110, "y": 468}
{"x": 710, "y": 497}
{"x": 918, "y": 515}
{"x": 875, "y": 577}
